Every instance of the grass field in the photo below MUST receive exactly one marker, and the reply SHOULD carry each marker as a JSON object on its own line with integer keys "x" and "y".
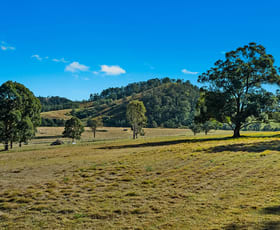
{"x": 57, "y": 114}
{"x": 156, "y": 182}
{"x": 46, "y": 135}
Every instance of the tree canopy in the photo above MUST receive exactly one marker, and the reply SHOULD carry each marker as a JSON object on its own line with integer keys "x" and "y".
{"x": 93, "y": 123}
{"x": 73, "y": 128}
{"x": 136, "y": 116}
{"x": 57, "y": 103}
{"x": 234, "y": 93}
{"x": 19, "y": 113}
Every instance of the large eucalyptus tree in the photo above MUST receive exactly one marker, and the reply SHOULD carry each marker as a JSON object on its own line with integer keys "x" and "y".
{"x": 234, "y": 91}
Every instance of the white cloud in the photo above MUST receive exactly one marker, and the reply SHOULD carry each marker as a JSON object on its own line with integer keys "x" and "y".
{"x": 36, "y": 56}
{"x": 5, "y": 46}
{"x": 112, "y": 70}
{"x": 60, "y": 60}
{"x": 185, "y": 71}
{"x": 76, "y": 67}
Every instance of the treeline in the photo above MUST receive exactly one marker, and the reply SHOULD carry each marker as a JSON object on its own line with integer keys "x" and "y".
{"x": 116, "y": 93}
{"x": 52, "y": 122}
{"x": 57, "y": 103}
{"x": 169, "y": 103}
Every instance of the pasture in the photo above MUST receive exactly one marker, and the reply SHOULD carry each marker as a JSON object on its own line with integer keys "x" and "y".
{"x": 165, "y": 180}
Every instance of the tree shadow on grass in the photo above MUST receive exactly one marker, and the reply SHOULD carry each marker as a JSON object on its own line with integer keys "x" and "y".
{"x": 190, "y": 140}
{"x": 275, "y": 210}
{"x": 257, "y": 147}
{"x": 163, "y": 143}
{"x": 48, "y": 137}
{"x": 268, "y": 225}
{"x": 271, "y": 225}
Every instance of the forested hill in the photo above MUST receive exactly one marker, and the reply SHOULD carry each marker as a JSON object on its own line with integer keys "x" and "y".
{"x": 57, "y": 103}
{"x": 169, "y": 103}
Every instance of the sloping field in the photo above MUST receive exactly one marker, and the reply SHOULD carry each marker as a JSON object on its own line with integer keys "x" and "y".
{"x": 161, "y": 183}
{"x": 57, "y": 114}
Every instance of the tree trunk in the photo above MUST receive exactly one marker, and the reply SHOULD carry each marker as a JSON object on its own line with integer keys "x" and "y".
{"x": 11, "y": 145}
{"x": 134, "y": 131}
{"x": 19, "y": 144}
{"x": 236, "y": 132}
{"x": 94, "y": 131}
{"x": 206, "y": 132}
{"x": 6, "y": 146}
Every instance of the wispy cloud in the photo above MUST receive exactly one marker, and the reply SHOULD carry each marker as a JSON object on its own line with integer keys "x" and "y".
{"x": 185, "y": 71}
{"x": 76, "y": 67}
{"x": 37, "y": 56}
{"x": 5, "y": 46}
{"x": 60, "y": 60}
{"x": 149, "y": 65}
{"x": 112, "y": 70}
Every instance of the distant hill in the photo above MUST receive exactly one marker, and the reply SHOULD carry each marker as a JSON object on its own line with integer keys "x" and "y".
{"x": 57, "y": 103}
{"x": 170, "y": 103}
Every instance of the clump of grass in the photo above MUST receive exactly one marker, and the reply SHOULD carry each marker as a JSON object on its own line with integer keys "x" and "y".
{"x": 138, "y": 211}
{"x": 147, "y": 182}
{"x": 40, "y": 207}
{"x": 9, "y": 206}
{"x": 79, "y": 215}
{"x": 52, "y": 184}
{"x": 93, "y": 167}
{"x": 66, "y": 179}
{"x": 148, "y": 168}
{"x": 4, "y": 216}
{"x": 127, "y": 179}
{"x": 132, "y": 193}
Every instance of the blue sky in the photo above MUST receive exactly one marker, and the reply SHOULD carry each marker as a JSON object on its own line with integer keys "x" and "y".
{"x": 74, "y": 48}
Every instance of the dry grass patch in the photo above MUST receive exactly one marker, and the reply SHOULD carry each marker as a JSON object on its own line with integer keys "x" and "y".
{"x": 162, "y": 183}
{"x": 57, "y": 114}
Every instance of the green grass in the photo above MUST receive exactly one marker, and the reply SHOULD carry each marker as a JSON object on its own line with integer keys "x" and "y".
{"x": 213, "y": 182}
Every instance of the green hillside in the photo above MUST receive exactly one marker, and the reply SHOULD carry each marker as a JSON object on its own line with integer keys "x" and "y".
{"x": 169, "y": 103}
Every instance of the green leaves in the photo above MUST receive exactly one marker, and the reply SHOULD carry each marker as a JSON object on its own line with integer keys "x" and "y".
{"x": 235, "y": 87}
{"x": 73, "y": 128}
{"x": 135, "y": 114}
{"x": 19, "y": 113}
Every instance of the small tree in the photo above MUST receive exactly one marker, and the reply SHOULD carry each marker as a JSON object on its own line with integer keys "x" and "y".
{"x": 135, "y": 114}
{"x": 73, "y": 128}
{"x": 195, "y": 128}
{"x": 209, "y": 125}
{"x": 93, "y": 124}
